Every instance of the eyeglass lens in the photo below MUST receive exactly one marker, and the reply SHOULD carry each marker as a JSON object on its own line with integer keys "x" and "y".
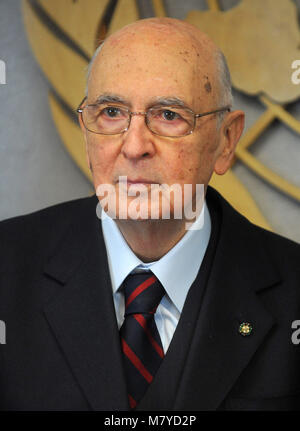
{"x": 164, "y": 121}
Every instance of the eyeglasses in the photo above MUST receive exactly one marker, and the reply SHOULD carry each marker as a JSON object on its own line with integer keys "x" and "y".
{"x": 167, "y": 121}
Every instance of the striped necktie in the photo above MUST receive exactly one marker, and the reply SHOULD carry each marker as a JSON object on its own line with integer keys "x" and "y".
{"x": 141, "y": 343}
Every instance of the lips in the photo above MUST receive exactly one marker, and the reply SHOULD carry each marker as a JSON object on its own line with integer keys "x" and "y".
{"x": 138, "y": 181}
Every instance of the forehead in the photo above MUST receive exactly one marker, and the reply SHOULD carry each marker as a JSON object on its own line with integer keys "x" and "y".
{"x": 141, "y": 64}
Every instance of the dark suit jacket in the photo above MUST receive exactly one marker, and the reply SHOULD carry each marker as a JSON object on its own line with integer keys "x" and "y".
{"x": 62, "y": 348}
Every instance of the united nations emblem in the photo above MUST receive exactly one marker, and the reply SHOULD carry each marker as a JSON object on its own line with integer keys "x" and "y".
{"x": 260, "y": 40}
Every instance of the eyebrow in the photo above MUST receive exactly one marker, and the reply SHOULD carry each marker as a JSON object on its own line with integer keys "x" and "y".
{"x": 157, "y": 101}
{"x": 111, "y": 98}
{"x": 169, "y": 101}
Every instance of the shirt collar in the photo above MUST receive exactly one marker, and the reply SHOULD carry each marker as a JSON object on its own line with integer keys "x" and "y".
{"x": 176, "y": 270}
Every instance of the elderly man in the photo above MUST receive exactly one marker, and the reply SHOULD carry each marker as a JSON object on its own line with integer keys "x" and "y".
{"x": 129, "y": 310}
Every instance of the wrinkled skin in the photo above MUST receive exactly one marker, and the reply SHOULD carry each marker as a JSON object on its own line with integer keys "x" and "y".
{"x": 143, "y": 61}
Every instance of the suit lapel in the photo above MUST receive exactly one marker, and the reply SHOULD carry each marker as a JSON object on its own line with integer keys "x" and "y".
{"x": 219, "y": 353}
{"x": 81, "y": 313}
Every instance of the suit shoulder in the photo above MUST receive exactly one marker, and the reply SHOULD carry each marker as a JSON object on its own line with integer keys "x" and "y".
{"x": 284, "y": 249}
{"x": 280, "y": 249}
{"x": 43, "y": 215}
{"x": 40, "y": 230}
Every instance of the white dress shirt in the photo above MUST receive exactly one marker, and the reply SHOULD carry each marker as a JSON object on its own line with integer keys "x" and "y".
{"x": 176, "y": 270}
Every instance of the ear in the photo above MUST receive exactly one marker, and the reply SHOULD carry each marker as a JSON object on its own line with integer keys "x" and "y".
{"x": 230, "y": 133}
{"x": 84, "y": 131}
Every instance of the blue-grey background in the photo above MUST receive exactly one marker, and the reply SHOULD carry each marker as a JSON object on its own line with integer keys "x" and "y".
{"x": 35, "y": 169}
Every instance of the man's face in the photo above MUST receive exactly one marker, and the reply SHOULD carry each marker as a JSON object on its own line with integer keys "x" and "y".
{"x": 140, "y": 68}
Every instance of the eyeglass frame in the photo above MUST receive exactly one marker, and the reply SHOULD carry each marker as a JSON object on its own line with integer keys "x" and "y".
{"x": 79, "y": 110}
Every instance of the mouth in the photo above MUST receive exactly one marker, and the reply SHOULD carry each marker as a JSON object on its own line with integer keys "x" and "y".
{"x": 130, "y": 181}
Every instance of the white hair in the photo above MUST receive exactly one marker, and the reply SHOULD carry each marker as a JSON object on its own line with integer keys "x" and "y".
{"x": 225, "y": 87}
{"x": 224, "y": 79}
{"x": 90, "y": 65}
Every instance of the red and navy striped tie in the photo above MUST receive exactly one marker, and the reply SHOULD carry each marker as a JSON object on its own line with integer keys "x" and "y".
{"x": 141, "y": 343}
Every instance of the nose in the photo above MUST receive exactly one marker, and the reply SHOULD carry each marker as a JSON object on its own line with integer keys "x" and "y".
{"x": 138, "y": 141}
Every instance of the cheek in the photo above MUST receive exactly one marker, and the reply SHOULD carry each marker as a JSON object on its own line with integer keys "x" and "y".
{"x": 192, "y": 162}
{"x": 182, "y": 165}
{"x": 102, "y": 157}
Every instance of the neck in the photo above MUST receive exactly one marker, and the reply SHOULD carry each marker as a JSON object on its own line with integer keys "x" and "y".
{"x": 151, "y": 239}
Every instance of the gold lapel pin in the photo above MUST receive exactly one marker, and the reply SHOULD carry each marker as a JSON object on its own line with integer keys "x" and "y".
{"x": 245, "y": 328}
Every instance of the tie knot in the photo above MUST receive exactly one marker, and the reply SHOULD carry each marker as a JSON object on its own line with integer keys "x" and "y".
{"x": 143, "y": 292}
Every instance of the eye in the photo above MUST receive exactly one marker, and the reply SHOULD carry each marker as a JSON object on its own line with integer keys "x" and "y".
{"x": 112, "y": 111}
{"x": 169, "y": 115}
